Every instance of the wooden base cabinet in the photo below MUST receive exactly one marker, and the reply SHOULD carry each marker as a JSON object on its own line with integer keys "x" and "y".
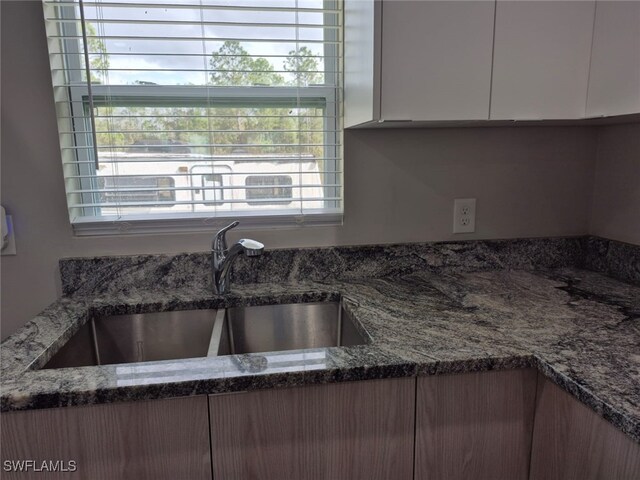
{"x": 511, "y": 425}
{"x": 475, "y": 425}
{"x": 571, "y": 442}
{"x": 158, "y": 439}
{"x": 357, "y": 430}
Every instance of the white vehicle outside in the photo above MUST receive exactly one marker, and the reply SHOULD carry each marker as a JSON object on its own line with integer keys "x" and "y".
{"x": 149, "y": 183}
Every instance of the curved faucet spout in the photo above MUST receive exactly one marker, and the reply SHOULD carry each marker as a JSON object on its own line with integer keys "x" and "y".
{"x": 220, "y": 240}
{"x": 222, "y": 257}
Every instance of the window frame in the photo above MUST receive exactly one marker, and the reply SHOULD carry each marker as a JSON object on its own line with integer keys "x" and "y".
{"x": 92, "y": 222}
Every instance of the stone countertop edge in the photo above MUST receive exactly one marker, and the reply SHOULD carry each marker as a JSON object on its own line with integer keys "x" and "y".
{"x": 420, "y": 324}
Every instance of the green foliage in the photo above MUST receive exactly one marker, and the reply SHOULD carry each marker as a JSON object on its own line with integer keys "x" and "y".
{"x": 232, "y": 65}
{"x": 276, "y": 128}
{"x": 303, "y": 65}
{"x": 98, "y": 56}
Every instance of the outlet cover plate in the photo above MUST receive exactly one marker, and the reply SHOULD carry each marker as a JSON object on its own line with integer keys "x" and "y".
{"x": 464, "y": 215}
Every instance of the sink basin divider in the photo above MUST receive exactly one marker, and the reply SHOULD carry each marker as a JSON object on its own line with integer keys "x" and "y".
{"x": 216, "y": 333}
{"x": 94, "y": 338}
{"x": 339, "y": 333}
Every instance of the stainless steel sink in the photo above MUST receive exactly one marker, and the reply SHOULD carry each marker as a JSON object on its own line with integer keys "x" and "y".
{"x": 138, "y": 338}
{"x": 199, "y": 333}
{"x": 291, "y": 326}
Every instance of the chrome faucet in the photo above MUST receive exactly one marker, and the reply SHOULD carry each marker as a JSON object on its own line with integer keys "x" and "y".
{"x": 222, "y": 257}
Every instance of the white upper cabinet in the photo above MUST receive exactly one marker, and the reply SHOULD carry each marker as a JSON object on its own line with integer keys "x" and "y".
{"x": 541, "y": 59}
{"x": 445, "y": 60}
{"x": 428, "y": 60}
{"x": 362, "y": 25}
{"x": 614, "y": 81}
{"x": 436, "y": 60}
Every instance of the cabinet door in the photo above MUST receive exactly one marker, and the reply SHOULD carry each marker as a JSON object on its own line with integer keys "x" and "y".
{"x": 571, "y": 442}
{"x": 436, "y": 59}
{"x": 350, "y": 431}
{"x": 614, "y": 79}
{"x": 159, "y": 439}
{"x": 541, "y": 59}
{"x": 475, "y": 425}
{"x": 362, "y": 34}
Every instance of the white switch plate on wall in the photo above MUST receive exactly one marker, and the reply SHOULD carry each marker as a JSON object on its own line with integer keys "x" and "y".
{"x": 464, "y": 215}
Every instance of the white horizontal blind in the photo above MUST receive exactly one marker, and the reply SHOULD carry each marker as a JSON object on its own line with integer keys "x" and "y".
{"x": 174, "y": 110}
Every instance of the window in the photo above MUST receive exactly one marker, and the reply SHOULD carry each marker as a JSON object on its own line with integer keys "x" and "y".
{"x": 176, "y": 113}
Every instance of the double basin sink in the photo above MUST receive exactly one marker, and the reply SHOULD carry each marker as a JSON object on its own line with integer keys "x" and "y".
{"x": 182, "y": 334}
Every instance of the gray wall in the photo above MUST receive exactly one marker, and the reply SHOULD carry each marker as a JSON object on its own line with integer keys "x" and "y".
{"x": 399, "y": 184}
{"x": 615, "y": 211}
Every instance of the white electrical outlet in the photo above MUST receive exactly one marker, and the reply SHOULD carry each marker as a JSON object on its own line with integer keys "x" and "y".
{"x": 464, "y": 215}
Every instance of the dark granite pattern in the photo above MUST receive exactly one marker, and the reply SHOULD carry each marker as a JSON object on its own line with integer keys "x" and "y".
{"x": 121, "y": 274}
{"x": 616, "y": 259}
{"x": 579, "y": 328}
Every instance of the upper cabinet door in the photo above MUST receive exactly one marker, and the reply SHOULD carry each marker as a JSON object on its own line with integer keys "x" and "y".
{"x": 614, "y": 81}
{"x": 362, "y": 35}
{"x": 541, "y": 59}
{"x": 436, "y": 59}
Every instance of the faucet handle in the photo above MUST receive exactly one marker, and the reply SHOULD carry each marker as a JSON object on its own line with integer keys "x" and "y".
{"x": 220, "y": 240}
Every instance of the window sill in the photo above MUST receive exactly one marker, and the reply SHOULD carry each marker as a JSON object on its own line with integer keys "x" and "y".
{"x": 144, "y": 224}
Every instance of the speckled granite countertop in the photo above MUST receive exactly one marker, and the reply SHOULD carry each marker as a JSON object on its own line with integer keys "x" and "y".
{"x": 579, "y": 328}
